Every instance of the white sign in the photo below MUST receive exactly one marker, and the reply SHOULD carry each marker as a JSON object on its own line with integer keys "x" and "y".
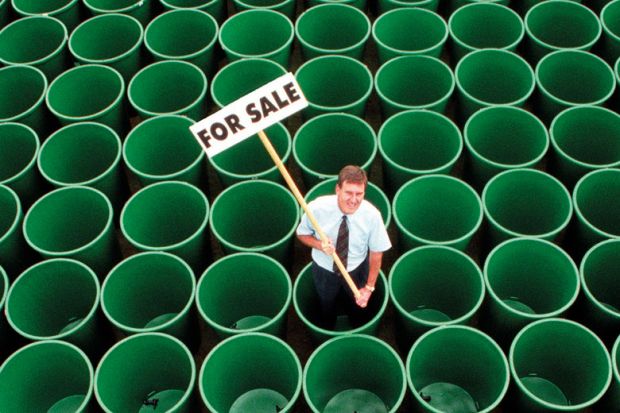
{"x": 250, "y": 114}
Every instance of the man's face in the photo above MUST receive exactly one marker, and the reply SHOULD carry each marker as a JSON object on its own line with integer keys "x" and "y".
{"x": 350, "y": 196}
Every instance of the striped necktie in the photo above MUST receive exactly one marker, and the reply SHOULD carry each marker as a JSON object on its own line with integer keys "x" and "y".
{"x": 342, "y": 243}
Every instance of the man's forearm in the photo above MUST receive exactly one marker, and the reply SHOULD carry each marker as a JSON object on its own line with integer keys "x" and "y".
{"x": 310, "y": 241}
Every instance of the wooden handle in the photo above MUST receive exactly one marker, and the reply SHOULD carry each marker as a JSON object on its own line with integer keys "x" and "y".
{"x": 289, "y": 180}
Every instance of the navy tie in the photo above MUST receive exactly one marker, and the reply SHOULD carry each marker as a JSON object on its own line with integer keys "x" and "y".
{"x": 342, "y": 243}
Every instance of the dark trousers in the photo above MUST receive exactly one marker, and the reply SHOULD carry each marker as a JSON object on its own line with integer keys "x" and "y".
{"x": 334, "y": 294}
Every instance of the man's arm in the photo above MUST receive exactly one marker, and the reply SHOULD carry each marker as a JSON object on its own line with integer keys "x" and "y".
{"x": 374, "y": 265}
{"x": 312, "y": 242}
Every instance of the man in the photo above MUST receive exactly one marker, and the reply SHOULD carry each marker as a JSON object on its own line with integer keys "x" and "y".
{"x": 361, "y": 240}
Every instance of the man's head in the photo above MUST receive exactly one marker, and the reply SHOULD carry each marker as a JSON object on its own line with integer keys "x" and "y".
{"x": 351, "y": 188}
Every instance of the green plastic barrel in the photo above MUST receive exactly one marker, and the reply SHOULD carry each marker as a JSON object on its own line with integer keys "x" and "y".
{"x": 39, "y": 41}
{"x": 113, "y": 40}
{"x": 25, "y": 107}
{"x": 356, "y": 373}
{"x": 457, "y": 369}
{"x": 89, "y": 93}
{"x": 611, "y": 400}
{"x": 482, "y": 25}
{"x": 259, "y": 33}
{"x": 558, "y": 365}
{"x": 332, "y": 28}
{"x": 335, "y": 83}
{"x": 409, "y": 31}
{"x": 500, "y": 138}
{"x": 245, "y": 292}
{"x": 196, "y": 45}
{"x": 169, "y": 216}
{"x": 56, "y": 299}
{"x": 256, "y": 216}
{"x": 318, "y": 146}
{"x": 88, "y": 154}
{"x": 490, "y": 77}
{"x": 250, "y": 160}
{"x": 216, "y": 8}
{"x": 162, "y": 148}
{"x": 559, "y": 24}
{"x": 527, "y": 279}
{"x": 169, "y": 87}
{"x": 526, "y": 202}
{"x": 610, "y": 39}
{"x": 387, "y": 5}
{"x": 19, "y": 148}
{"x": 241, "y": 77}
{"x": 48, "y": 376}
{"x": 139, "y": 9}
{"x": 567, "y": 78}
{"x": 414, "y": 82}
{"x": 5, "y": 343}
{"x": 584, "y": 138}
{"x": 5, "y": 10}
{"x": 450, "y": 216}
{"x": 597, "y": 204}
{"x": 251, "y": 372}
{"x": 286, "y": 7}
{"x": 67, "y": 11}
{"x": 151, "y": 292}
{"x": 144, "y": 372}
{"x": 417, "y": 142}
{"x": 373, "y": 194}
{"x": 308, "y": 309}
{"x": 600, "y": 284}
{"x": 433, "y": 286}
{"x": 74, "y": 222}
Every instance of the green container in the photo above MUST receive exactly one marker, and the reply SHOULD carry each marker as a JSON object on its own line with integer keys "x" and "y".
{"x": 610, "y": 22}
{"x": 151, "y": 292}
{"x": 335, "y": 83}
{"x": 597, "y": 206}
{"x": 5, "y": 342}
{"x": 559, "y": 24}
{"x": 457, "y": 369}
{"x": 612, "y": 397}
{"x": 67, "y": 11}
{"x": 260, "y": 33}
{"x": 184, "y": 34}
{"x": 256, "y": 216}
{"x": 308, "y": 309}
{"x": 567, "y": 78}
{"x": 450, "y": 217}
{"x": 417, "y": 142}
{"x": 318, "y": 146}
{"x": 27, "y": 106}
{"x": 332, "y": 28}
{"x": 74, "y": 222}
{"x": 409, "y": 31}
{"x": 162, "y": 148}
{"x": 286, "y": 7}
{"x": 241, "y": 77}
{"x": 5, "y": 10}
{"x": 484, "y": 25}
{"x": 374, "y": 195}
{"x": 584, "y": 138}
{"x": 170, "y": 87}
{"x": 414, "y": 82}
{"x": 56, "y": 299}
{"x": 598, "y": 278}
{"x": 527, "y": 279}
{"x": 139, "y": 9}
{"x": 433, "y": 286}
{"x": 252, "y": 372}
{"x": 38, "y": 41}
{"x": 146, "y": 370}
{"x": 48, "y": 376}
{"x": 19, "y": 148}
{"x": 88, "y": 154}
{"x": 113, "y": 40}
{"x": 558, "y": 365}
{"x": 245, "y": 292}
{"x": 89, "y": 93}
{"x": 250, "y": 160}
{"x": 354, "y": 373}
{"x": 216, "y": 8}
{"x": 387, "y": 5}
{"x": 500, "y": 138}
{"x": 490, "y": 77}
{"x": 526, "y": 202}
{"x": 169, "y": 216}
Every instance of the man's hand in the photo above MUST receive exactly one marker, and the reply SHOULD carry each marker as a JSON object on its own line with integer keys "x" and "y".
{"x": 362, "y": 300}
{"x": 328, "y": 247}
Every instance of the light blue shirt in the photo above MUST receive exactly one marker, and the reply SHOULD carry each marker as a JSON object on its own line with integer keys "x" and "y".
{"x": 366, "y": 230}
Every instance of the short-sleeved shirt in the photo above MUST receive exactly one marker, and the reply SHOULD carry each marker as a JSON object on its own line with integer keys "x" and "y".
{"x": 366, "y": 230}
